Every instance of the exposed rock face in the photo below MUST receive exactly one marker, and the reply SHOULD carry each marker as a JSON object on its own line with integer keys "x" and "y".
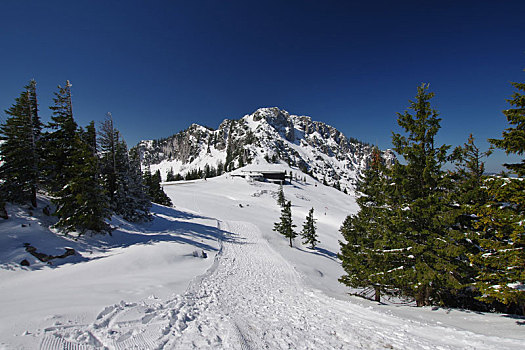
{"x": 267, "y": 135}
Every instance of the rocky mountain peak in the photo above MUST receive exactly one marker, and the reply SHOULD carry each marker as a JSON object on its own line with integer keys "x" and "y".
{"x": 269, "y": 135}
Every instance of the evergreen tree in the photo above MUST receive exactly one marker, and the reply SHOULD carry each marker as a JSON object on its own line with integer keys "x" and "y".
{"x": 309, "y": 230}
{"x": 170, "y": 176}
{"x": 465, "y": 197}
{"x": 19, "y": 170}
{"x": 59, "y": 145}
{"x": 122, "y": 176}
{"x": 420, "y": 230}
{"x": 108, "y": 142}
{"x": 90, "y": 138}
{"x": 502, "y": 242}
{"x": 81, "y": 204}
{"x": 286, "y": 226}
{"x": 228, "y": 163}
{"x": 281, "y": 200}
{"x": 366, "y": 256}
{"x": 513, "y": 138}
{"x": 501, "y": 239}
{"x": 131, "y": 200}
{"x": 155, "y": 191}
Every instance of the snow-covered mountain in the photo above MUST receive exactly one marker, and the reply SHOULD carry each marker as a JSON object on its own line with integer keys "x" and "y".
{"x": 269, "y": 135}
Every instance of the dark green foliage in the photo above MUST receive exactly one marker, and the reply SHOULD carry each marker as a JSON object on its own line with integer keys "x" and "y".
{"x": 220, "y": 168}
{"x": 500, "y": 225}
{"x": 501, "y": 238}
{"x": 155, "y": 191}
{"x": 72, "y": 171}
{"x": 19, "y": 171}
{"x": 59, "y": 145}
{"x": 132, "y": 201}
{"x": 286, "y": 226}
{"x": 81, "y": 203}
{"x": 309, "y": 233}
{"x": 366, "y": 254}
{"x": 426, "y": 246}
{"x": 121, "y": 175}
{"x": 403, "y": 239}
{"x": 170, "y": 176}
{"x": 108, "y": 141}
{"x": 228, "y": 163}
{"x": 281, "y": 200}
{"x": 194, "y": 174}
{"x": 513, "y": 138}
{"x": 468, "y": 176}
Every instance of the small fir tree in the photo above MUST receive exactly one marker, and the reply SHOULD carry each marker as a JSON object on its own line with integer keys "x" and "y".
{"x": 309, "y": 230}
{"x": 285, "y": 226}
{"x": 170, "y": 176}
{"x": 155, "y": 191}
{"x": 281, "y": 200}
{"x": 131, "y": 200}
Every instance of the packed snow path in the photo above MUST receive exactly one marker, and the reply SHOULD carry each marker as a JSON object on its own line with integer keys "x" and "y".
{"x": 252, "y": 298}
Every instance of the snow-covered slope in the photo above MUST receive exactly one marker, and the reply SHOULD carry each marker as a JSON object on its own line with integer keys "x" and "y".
{"x": 269, "y": 135}
{"x": 135, "y": 290}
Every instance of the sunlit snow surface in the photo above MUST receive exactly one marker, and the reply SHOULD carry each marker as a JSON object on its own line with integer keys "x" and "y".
{"x": 142, "y": 288}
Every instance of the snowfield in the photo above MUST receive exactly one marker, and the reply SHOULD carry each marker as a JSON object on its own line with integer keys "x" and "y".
{"x": 143, "y": 288}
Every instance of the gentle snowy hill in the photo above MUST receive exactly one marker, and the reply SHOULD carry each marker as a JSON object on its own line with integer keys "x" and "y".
{"x": 143, "y": 288}
{"x": 268, "y": 135}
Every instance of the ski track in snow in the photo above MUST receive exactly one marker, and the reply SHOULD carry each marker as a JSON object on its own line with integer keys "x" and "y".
{"x": 252, "y": 298}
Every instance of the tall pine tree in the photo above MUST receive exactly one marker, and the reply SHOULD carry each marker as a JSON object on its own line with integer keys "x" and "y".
{"x": 365, "y": 255}
{"x": 59, "y": 144}
{"x": 20, "y": 167}
{"x": 502, "y": 256}
{"x": 108, "y": 141}
{"x": 419, "y": 229}
{"x": 121, "y": 175}
{"x": 81, "y": 203}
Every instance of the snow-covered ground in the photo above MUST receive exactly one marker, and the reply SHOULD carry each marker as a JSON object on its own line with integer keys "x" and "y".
{"x": 142, "y": 288}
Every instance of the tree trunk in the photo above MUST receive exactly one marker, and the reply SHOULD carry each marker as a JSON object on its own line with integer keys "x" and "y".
{"x": 423, "y": 296}
{"x": 290, "y": 241}
{"x": 420, "y": 298}
{"x": 33, "y": 196}
{"x": 377, "y": 295}
{"x": 3, "y": 212}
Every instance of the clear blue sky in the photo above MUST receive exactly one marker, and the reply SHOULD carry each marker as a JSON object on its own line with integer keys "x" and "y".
{"x": 159, "y": 66}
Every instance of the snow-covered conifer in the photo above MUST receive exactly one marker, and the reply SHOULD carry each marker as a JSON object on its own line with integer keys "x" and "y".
{"x": 281, "y": 200}
{"x": 285, "y": 226}
{"x": 309, "y": 233}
